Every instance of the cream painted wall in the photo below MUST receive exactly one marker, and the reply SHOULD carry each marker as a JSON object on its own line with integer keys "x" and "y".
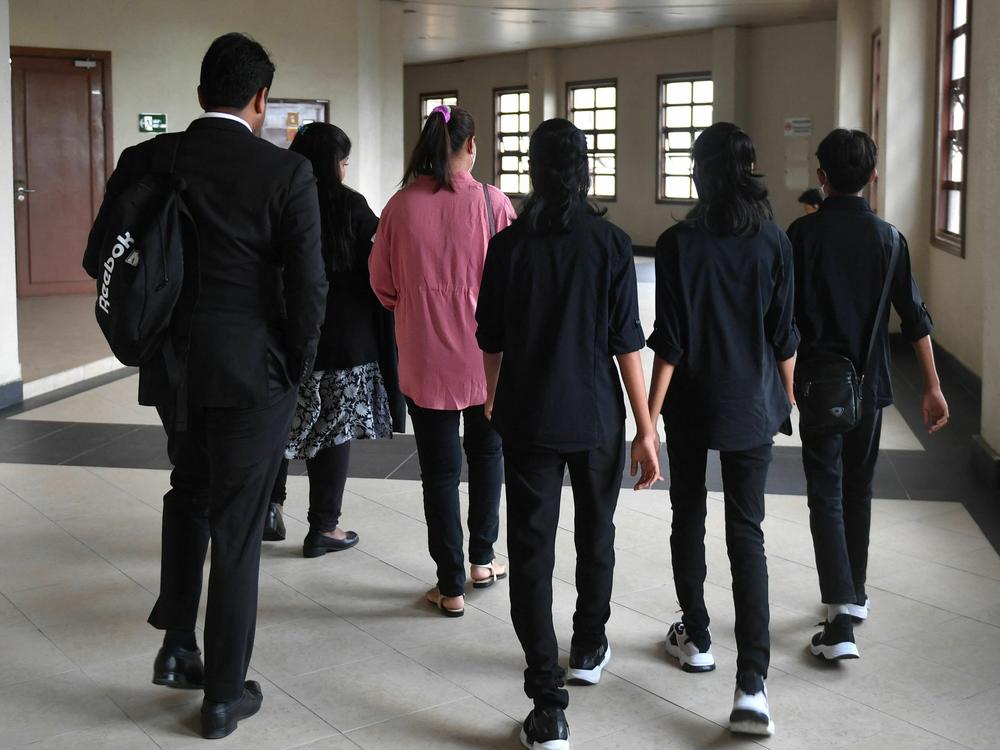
{"x": 791, "y": 75}
{"x": 10, "y": 364}
{"x": 853, "y": 90}
{"x": 790, "y": 63}
{"x": 157, "y": 49}
{"x": 952, "y": 286}
{"x": 982, "y": 222}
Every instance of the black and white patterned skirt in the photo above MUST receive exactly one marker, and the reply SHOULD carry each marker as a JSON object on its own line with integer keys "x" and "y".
{"x": 335, "y": 406}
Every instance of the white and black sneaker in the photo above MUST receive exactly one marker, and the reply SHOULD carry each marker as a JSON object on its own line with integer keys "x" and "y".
{"x": 587, "y": 666}
{"x": 751, "y": 714}
{"x": 836, "y": 640}
{"x": 545, "y": 729}
{"x": 694, "y": 654}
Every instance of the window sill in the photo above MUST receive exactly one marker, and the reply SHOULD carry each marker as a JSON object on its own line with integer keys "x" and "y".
{"x": 951, "y": 245}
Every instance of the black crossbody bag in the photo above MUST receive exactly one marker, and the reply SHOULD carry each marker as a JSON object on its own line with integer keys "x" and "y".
{"x": 827, "y": 385}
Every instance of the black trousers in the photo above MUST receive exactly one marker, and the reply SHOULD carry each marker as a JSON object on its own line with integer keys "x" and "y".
{"x": 744, "y": 474}
{"x": 327, "y": 479}
{"x": 224, "y": 469}
{"x": 440, "y": 454}
{"x": 534, "y": 485}
{"x": 839, "y": 472}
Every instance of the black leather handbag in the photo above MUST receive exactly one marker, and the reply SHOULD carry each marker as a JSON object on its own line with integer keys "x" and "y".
{"x": 828, "y": 386}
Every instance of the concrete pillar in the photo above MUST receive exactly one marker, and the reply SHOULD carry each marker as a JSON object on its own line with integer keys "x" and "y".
{"x": 543, "y": 85}
{"x": 731, "y": 74}
{"x": 378, "y": 148}
{"x": 10, "y": 363}
{"x": 982, "y": 220}
{"x": 908, "y": 76}
{"x": 854, "y": 38}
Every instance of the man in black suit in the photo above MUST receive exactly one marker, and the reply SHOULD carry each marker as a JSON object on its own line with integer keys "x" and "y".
{"x": 246, "y": 329}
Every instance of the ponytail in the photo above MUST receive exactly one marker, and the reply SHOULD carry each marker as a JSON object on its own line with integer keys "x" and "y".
{"x": 446, "y": 131}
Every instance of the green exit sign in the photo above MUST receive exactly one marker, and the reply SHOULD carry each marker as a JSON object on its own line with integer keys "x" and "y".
{"x": 152, "y": 122}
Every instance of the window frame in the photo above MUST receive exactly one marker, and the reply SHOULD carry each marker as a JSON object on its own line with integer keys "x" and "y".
{"x": 946, "y": 33}
{"x": 596, "y": 84}
{"x": 661, "y": 159}
{"x": 432, "y": 95}
{"x": 497, "y": 93}
{"x": 875, "y": 107}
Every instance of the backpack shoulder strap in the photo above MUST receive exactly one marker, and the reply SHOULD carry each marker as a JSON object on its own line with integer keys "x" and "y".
{"x": 489, "y": 211}
{"x": 884, "y": 299}
{"x": 165, "y": 148}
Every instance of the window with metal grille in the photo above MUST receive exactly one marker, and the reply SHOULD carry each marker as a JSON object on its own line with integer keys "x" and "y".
{"x": 685, "y": 110}
{"x": 952, "y": 124}
{"x": 513, "y": 130}
{"x": 593, "y": 107}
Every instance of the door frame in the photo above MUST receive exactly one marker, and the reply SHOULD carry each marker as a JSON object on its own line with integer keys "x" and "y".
{"x": 19, "y": 146}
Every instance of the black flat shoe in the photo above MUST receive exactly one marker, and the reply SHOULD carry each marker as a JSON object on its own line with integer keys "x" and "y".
{"x": 317, "y": 543}
{"x": 179, "y": 668}
{"x": 274, "y": 524}
{"x": 219, "y": 720}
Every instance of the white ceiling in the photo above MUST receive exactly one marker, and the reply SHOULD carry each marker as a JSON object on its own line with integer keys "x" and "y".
{"x": 437, "y": 30}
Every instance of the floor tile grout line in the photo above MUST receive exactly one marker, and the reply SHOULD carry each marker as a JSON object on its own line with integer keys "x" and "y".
{"x": 401, "y": 465}
{"x": 98, "y": 447}
{"x": 425, "y": 709}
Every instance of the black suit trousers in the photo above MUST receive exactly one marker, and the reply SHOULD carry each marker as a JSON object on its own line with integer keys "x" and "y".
{"x": 225, "y": 464}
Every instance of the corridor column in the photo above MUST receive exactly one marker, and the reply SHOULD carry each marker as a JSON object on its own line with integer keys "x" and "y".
{"x": 10, "y": 365}
{"x": 983, "y": 222}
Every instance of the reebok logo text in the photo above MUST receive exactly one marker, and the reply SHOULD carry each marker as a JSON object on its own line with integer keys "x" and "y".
{"x": 122, "y": 243}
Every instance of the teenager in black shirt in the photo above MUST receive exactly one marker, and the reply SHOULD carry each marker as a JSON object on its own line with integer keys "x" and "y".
{"x": 724, "y": 340}
{"x": 558, "y": 305}
{"x": 841, "y": 259}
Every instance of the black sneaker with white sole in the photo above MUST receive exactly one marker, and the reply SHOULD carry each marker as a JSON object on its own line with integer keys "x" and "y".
{"x": 751, "y": 713}
{"x": 836, "y": 640}
{"x": 693, "y": 651}
{"x": 586, "y": 666}
{"x": 545, "y": 729}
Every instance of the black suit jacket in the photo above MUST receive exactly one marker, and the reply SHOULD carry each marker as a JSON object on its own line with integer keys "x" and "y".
{"x": 255, "y": 289}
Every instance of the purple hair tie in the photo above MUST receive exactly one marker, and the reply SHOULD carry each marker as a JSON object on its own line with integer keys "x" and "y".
{"x": 445, "y": 111}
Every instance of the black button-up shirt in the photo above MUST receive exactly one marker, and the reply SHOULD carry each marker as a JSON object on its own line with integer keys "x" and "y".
{"x": 559, "y": 307}
{"x": 841, "y": 260}
{"x": 724, "y": 318}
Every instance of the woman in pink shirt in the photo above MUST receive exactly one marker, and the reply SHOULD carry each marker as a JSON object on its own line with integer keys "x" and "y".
{"x": 426, "y": 266}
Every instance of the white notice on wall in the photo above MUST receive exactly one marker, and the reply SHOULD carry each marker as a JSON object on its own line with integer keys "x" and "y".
{"x": 798, "y": 126}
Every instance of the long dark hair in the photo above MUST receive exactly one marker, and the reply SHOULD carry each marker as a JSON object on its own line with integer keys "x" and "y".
{"x": 326, "y": 146}
{"x": 439, "y": 140}
{"x": 560, "y": 177}
{"x": 732, "y": 198}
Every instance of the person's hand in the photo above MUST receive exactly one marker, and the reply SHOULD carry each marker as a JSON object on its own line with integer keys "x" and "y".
{"x": 646, "y": 454}
{"x": 935, "y": 409}
{"x": 488, "y": 408}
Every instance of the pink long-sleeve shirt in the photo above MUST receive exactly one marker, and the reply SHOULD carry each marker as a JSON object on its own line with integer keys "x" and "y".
{"x": 426, "y": 265}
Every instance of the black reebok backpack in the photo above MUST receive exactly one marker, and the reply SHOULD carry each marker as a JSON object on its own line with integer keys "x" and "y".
{"x": 141, "y": 259}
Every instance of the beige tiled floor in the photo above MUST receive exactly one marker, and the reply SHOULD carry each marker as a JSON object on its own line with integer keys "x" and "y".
{"x": 350, "y": 656}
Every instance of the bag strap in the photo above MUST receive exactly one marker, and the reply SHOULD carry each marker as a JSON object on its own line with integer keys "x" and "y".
{"x": 165, "y": 156}
{"x": 489, "y": 211}
{"x": 883, "y": 300}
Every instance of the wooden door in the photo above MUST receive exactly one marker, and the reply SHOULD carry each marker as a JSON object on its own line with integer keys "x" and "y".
{"x": 62, "y": 157}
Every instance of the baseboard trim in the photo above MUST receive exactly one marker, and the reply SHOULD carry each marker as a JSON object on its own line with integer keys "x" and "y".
{"x": 985, "y": 462}
{"x": 11, "y": 393}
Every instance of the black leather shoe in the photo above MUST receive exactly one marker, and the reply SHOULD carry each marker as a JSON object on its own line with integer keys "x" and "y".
{"x": 179, "y": 668}
{"x": 219, "y": 720}
{"x": 545, "y": 729}
{"x": 274, "y": 524}
{"x": 318, "y": 543}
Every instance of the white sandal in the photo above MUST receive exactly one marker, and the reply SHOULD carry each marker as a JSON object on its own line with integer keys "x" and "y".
{"x": 497, "y": 571}
{"x": 434, "y": 597}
